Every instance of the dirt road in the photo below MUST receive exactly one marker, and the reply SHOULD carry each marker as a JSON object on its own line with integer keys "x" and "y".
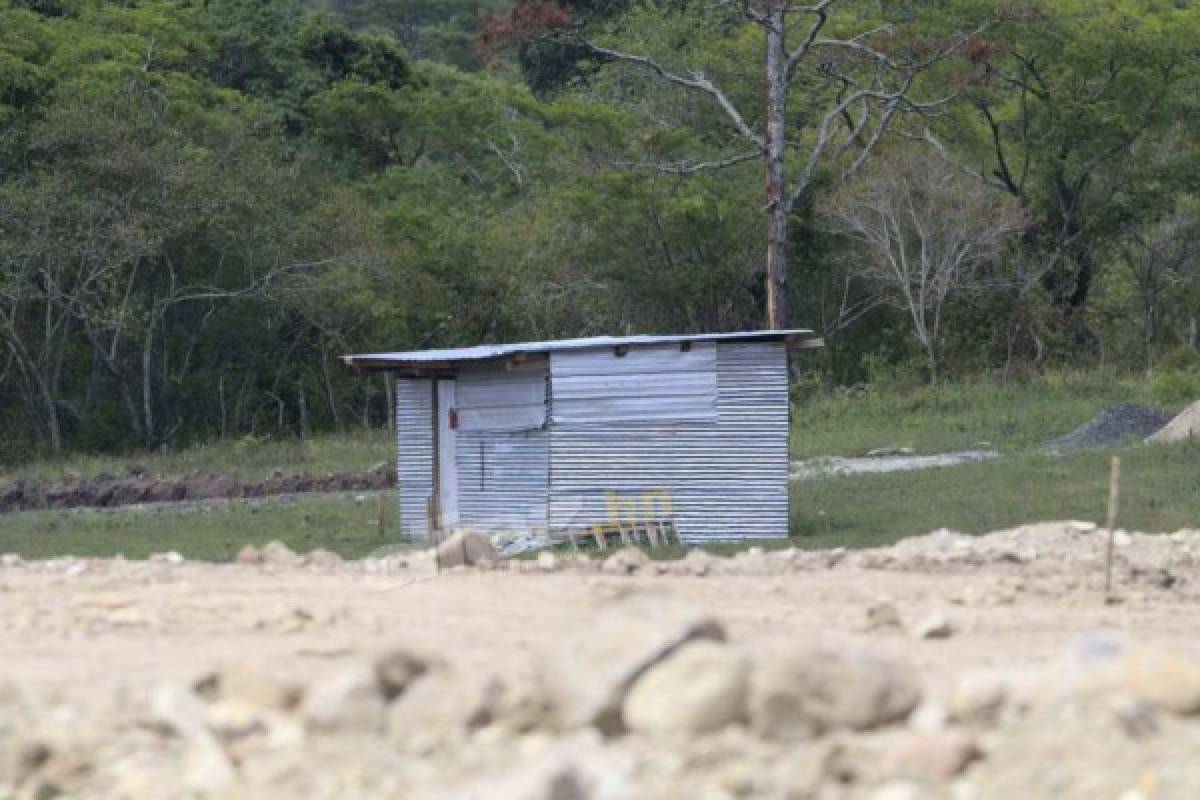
{"x": 123, "y": 677}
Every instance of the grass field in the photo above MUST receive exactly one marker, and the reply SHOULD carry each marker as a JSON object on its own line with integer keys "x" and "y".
{"x": 336, "y": 522}
{"x": 1160, "y": 488}
{"x": 1160, "y": 491}
{"x": 931, "y": 419}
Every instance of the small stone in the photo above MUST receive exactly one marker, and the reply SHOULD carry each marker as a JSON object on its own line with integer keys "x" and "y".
{"x": 249, "y": 554}
{"x": 241, "y": 682}
{"x": 626, "y": 561}
{"x": 978, "y": 699}
{"x": 697, "y": 562}
{"x": 323, "y": 559}
{"x": 278, "y": 554}
{"x": 349, "y": 701}
{"x": 9, "y": 560}
{"x": 554, "y": 778}
{"x": 548, "y": 561}
{"x": 933, "y": 755}
{"x": 1163, "y": 681}
{"x": 898, "y": 790}
{"x": 805, "y": 694}
{"x": 699, "y": 689}
{"x": 466, "y": 548}
{"x": 1122, "y": 539}
{"x": 934, "y": 626}
{"x": 883, "y": 617}
{"x": 397, "y": 670}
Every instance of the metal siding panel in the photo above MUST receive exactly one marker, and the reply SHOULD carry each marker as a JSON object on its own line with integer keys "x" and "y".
{"x": 728, "y": 478}
{"x": 660, "y": 383}
{"x": 502, "y": 398}
{"x": 414, "y": 454}
{"x": 504, "y": 476}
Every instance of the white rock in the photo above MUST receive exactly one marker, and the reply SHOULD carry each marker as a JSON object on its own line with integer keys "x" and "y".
{"x": 348, "y": 701}
{"x": 805, "y": 694}
{"x": 700, "y": 689}
{"x": 589, "y": 675}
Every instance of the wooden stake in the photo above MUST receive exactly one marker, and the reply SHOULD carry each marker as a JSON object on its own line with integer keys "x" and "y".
{"x": 1114, "y": 486}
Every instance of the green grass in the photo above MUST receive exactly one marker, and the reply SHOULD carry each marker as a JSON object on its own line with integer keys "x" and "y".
{"x": 1160, "y": 491}
{"x": 1011, "y": 418}
{"x": 248, "y": 458}
{"x": 335, "y": 522}
{"x": 1160, "y": 488}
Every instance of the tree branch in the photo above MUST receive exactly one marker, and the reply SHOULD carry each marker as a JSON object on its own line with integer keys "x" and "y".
{"x": 697, "y": 82}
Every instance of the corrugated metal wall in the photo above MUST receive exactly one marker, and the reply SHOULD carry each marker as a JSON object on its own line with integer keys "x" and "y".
{"x": 414, "y": 454}
{"x": 503, "y": 454}
{"x": 728, "y": 476}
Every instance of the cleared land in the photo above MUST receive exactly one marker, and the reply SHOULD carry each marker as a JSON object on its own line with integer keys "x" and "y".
{"x": 945, "y": 667}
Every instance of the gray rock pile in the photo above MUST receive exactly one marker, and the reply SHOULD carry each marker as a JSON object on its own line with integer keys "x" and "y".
{"x": 1113, "y": 426}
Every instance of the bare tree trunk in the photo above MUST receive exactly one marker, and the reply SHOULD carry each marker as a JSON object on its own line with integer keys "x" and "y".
{"x": 777, "y": 203}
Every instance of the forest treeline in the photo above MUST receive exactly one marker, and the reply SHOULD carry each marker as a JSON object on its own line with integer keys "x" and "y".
{"x": 203, "y": 203}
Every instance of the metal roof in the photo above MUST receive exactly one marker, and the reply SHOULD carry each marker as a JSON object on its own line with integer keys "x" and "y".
{"x": 449, "y": 357}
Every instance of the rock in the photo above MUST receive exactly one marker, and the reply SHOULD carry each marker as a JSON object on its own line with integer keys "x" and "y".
{"x": 178, "y": 710}
{"x": 445, "y": 705}
{"x": 1163, "y": 681}
{"x": 978, "y": 699}
{"x": 933, "y": 756}
{"x": 805, "y": 694}
{"x": 626, "y": 561}
{"x": 556, "y": 777}
{"x": 350, "y": 701}
{"x": 898, "y": 790}
{"x": 548, "y": 562}
{"x": 700, "y": 689}
{"x": 249, "y": 554}
{"x": 883, "y": 618}
{"x": 1122, "y": 539}
{"x": 395, "y": 671}
{"x": 206, "y": 768}
{"x": 278, "y": 554}
{"x": 466, "y": 548}
{"x": 589, "y": 676}
{"x": 323, "y": 559}
{"x": 934, "y": 626}
{"x": 697, "y": 563}
{"x": 241, "y": 682}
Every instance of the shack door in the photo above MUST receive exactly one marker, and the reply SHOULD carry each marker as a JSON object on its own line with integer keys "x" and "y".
{"x": 446, "y": 446}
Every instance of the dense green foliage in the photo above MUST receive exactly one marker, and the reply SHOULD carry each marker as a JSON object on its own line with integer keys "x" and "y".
{"x": 203, "y": 204}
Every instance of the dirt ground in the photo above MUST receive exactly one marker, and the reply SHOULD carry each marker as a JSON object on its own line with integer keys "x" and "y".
{"x": 944, "y": 666}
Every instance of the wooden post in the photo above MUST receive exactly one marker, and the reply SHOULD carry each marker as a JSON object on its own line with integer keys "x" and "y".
{"x": 381, "y": 506}
{"x": 1114, "y": 486}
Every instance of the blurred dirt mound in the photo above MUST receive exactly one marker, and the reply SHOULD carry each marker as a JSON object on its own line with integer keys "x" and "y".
{"x": 1113, "y": 426}
{"x": 1185, "y": 426}
{"x": 136, "y": 486}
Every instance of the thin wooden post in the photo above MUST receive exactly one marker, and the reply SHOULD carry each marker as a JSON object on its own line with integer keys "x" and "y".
{"x": 1114, "y": 487}
{"x": 381, "y": 507}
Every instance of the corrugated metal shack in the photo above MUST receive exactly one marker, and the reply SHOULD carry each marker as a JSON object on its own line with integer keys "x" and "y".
{"x": 686, "y": 432}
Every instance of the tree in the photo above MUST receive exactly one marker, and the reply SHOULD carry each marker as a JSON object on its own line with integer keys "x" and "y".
{"x": 1063, "y": 99}
{"x": 854, "y": 85}
{"x": 924, "y": 233}
{"x": 1160, "y": 257}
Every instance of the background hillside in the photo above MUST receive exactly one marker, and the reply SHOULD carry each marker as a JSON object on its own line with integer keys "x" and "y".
{"x": 202, "y": 204}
